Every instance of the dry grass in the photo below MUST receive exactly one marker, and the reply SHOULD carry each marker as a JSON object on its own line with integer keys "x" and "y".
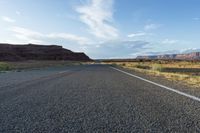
{"x": 39, "y": 64}
{"x": 4, "y": 66}
{"x": 161, "y": 68}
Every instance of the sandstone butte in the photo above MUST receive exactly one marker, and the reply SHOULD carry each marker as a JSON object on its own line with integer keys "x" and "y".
{"x": 10, "y": 52}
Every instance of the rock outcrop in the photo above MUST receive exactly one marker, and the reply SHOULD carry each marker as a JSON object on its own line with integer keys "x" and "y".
{"x": 189, "y": 56}
{"x": 9, "y": 52}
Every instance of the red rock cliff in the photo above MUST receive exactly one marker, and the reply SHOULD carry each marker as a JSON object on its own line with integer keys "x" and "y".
{"x": 10, "y": 52}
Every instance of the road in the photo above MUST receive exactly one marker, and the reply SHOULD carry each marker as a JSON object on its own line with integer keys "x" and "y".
{"x": 91, "y": 98}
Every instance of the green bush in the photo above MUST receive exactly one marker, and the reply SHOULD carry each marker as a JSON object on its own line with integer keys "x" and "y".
{"x": 4, "y": 66}
{"x": 123, "y": 64}
{"x": 142, "y": 66}
{"x": 113, "y": 64}
{"x": 157, "y": 67}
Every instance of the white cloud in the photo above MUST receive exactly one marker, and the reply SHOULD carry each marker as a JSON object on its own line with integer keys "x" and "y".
{"x": 150, "y": 53}
{"x": 8, "y": 19}
{"x": 189, "y": 50}
{"x": 24, "y": 31}
{"x": 181, "y": 51}
{"x": 168, "y": 41}
{"x": 137, "y": 34}
{"x": 196, "y": 19}
{"x": 36, "y": 37}
{"x": 27, "y": 35}
{"x": 18, "y": 13}
{"x": 151, "y": 26}
{"x": 98, "y": 15}
{"x": 71, "y": 37}
{"x": 116, "y": 48}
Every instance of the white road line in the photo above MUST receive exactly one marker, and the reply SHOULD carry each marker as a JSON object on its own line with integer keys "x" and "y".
{"x": 62, "y": 72}
{"x": 162, "y": 86}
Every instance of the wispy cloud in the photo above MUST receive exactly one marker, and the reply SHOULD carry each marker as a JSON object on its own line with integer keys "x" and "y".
{"x": 27, "y": 35}
{"x": 71, "y": 37}
{"x": 124, "y": 49}
{"x": 190, "y": 50}
{"x": 170, "y": 41}
{"x": 151, "y": 26}
{"x": 196, "y": 19}
{"x": 149, "y": 53}
{"x": 37, "y": 37}
{"x": 139, "y": 34}
{"x": 8, "y": 19}
{"x": 18, "y": 13}
{"x": 98, "y": 15}
{"x": 181, "y": 51}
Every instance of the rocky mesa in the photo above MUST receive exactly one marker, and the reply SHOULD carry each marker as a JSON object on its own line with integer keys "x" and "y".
{"x": 188, "y": 56}
{"x": 10, "y": 52}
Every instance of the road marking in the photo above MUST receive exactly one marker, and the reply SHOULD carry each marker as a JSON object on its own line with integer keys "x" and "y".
{"x": 162, "y": 86}
{"x": 62, "y": 72}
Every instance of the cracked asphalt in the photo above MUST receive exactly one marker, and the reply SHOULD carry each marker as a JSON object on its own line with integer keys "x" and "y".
{"x": 91, "y": 98}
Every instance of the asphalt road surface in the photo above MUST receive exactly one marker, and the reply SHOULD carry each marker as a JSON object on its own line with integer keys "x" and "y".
{"x": 91, "y": 98}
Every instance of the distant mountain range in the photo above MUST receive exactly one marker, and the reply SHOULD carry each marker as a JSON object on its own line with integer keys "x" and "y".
{"x": 10, "y": 52}
{"x": 187, "y": 56}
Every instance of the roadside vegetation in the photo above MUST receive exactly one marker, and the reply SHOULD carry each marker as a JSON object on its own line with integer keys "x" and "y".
{"x": 187, "y": 72}
{"x": 6, "y": 66}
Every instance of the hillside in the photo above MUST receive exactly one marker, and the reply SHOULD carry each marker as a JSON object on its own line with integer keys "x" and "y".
{"x": 188, "y": 56}
{"x": 9, "y": 52}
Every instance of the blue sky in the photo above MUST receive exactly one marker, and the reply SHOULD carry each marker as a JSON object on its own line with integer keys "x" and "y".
{"x": 104, "y": 28}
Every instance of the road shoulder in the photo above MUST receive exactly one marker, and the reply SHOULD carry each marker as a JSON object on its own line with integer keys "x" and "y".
{"x": 195, "y": 91}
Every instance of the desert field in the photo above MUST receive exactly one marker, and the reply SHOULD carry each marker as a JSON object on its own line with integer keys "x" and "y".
{"x": 188, "y": 72}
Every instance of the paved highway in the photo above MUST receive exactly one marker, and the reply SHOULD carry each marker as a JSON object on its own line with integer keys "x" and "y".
{"x": 92, "y": 98}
